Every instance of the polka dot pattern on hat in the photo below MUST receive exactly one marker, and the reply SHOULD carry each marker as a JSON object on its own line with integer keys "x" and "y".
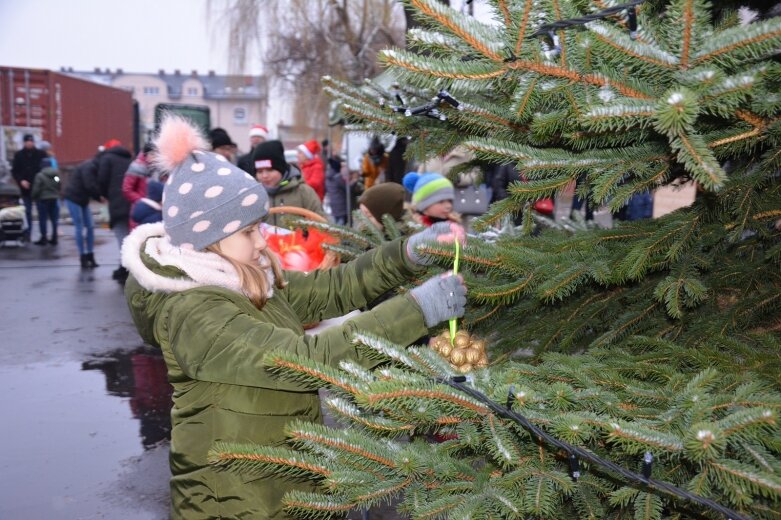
{"x": 232, "y": 226}
{"x": 249, "y": 200}
{"x": 224, "y": 171}
{"x": 212, "y": 192}
{"x": 198, "y": 167}
{"x": 201, "y": 226}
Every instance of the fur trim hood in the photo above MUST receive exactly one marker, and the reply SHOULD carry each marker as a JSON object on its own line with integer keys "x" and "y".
{"x": 203, "y": 268}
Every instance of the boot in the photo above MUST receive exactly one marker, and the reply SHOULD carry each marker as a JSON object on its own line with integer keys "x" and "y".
{"x": 53, "y": 241}
{"x": 84, "y": 261}
{"x": 41, "y": 241}
{"x": 122, "y": 275}
{"x": 91, "y": 260}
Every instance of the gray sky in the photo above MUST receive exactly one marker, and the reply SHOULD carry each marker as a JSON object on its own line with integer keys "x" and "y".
{"x": 135, "y": 35}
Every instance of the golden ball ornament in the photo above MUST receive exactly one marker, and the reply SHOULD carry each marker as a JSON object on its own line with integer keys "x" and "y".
{"x": 472, "y": 355}
{"x": 458, "y": 356}
{"x": 466, "y": 367}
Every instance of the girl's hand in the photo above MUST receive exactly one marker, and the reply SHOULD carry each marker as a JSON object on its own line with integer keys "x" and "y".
{"x": 441, "y": 298}
{"x": 444, "y": 232}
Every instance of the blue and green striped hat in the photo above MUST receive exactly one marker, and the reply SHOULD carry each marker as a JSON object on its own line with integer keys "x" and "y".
{"x": 428, "y": 189}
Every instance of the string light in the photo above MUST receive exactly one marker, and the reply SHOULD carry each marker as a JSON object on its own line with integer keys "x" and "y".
{"x": 430, "y": 109}
{"x": 630, "y": 7}
{"x": 457, "y": 382}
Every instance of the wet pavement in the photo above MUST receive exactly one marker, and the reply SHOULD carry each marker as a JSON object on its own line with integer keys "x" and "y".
{"x": 85, "y": 406}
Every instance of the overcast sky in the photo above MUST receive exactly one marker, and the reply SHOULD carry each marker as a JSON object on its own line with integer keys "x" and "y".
{"x": 135, "y": 35}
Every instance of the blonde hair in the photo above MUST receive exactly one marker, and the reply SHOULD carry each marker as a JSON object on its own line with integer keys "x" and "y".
{"x": 252, "y": 277}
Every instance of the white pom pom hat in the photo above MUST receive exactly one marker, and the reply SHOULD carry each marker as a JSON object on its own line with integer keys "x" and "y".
{"x": 206, "y": 198}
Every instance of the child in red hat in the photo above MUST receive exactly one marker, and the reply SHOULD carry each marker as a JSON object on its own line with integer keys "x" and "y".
{"x": 312, "y": 167}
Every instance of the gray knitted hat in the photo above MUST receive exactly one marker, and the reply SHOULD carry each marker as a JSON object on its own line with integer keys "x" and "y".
{"x": 206, "y": 198}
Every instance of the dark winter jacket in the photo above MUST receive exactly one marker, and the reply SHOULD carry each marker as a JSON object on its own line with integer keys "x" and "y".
{"x": 336, "y": 188}
{"x": 503, "y": 176}
{"x": 217, "y": 347}
{"x": 247, "y": 163}
{"x": 82, "y": 183}
{"x": 111, "y": 174}
{"x": 46, "y": 185}
{"x": 294, "y": 192}
{"x": 27, "y": 162}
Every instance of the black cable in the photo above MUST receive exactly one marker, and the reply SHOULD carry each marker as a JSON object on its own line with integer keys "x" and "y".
{"x": 571, "y": 22}
{"x": 574, "y": 451}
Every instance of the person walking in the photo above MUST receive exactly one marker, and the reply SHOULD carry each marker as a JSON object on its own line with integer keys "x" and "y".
{"x": 207, "y": 291}
{"x": 26, "y": 164}
{"x": 112, "y": 165}
{"x": 282, "y": 181}
{"x": 336, "y": 189}
{"x": 82, "y": 186}
{"x": 46, "y": 195}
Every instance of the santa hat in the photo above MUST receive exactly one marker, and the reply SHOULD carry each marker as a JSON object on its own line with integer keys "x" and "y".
{"x": 258, "y": 131}
{"x": 309, "y": 149}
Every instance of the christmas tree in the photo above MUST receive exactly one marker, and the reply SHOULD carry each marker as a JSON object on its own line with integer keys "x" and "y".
{"x": 674, "y": 320}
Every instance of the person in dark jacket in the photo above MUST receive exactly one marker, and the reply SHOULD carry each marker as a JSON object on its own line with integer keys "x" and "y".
{"x": 336, "y": 190}
{"x": 82, "y": 186}
{"x": 257, "y": 134}
{"x": 26, "y": 164}
{"x": 112, "y": 166}
{"x": 46, "y": 194}
{"x": 207, "y": 291}
{"x": 149, "y": 209}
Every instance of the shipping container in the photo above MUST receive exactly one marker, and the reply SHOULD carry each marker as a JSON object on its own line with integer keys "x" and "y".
{"x": 74, "y": 115}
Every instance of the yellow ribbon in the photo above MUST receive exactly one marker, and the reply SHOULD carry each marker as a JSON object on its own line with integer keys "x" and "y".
{"x": 454, "y": 321}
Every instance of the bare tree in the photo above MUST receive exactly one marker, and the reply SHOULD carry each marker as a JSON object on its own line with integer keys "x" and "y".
{"x": 302, "y": 40}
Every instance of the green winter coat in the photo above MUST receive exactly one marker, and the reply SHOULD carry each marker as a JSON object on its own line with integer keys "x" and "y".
{"x": 295, "y": 193}
{"x": 46, "y": 185}
{"x": 214, "y": 341}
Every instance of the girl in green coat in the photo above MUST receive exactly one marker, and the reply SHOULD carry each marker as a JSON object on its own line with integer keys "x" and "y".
{"x": 206, "y": 290}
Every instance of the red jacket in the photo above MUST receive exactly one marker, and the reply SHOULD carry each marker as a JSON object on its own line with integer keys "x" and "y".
{"x": 314, "y": 175}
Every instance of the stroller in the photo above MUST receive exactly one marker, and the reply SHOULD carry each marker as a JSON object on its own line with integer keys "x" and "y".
{"x": 13, "y": 222}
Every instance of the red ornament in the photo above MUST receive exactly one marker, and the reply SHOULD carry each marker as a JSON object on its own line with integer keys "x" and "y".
{"x": 298, "y": 251}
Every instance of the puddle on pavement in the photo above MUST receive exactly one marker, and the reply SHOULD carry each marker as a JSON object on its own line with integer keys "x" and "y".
{"x": 75, "y": 433}
{"x": 140, "y": 376}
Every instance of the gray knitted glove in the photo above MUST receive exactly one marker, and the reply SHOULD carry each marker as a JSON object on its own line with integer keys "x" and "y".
{"x": 441, "y": 298}
{"x": 439, "y": 232}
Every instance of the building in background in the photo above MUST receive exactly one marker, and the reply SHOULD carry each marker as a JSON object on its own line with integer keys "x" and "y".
{"x": 234, "y": 102}
{"x": 74, "y": 115}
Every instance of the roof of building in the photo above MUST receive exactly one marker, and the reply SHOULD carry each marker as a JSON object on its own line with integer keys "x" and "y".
{"x": 215, "y": 86}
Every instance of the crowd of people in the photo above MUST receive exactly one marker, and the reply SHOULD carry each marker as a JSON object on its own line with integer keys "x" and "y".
{"x": 203, "y": 286}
